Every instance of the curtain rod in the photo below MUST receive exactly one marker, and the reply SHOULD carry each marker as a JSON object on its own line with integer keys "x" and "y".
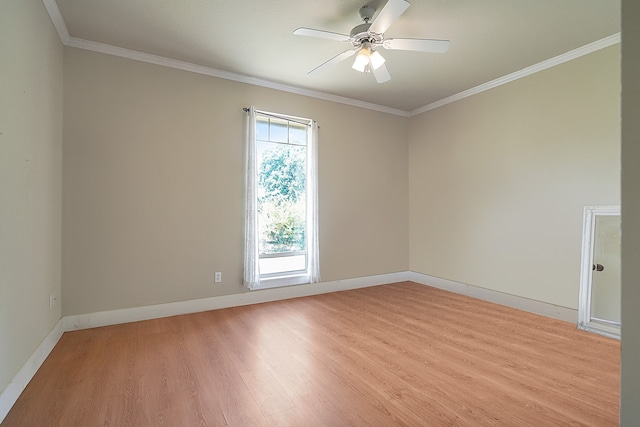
{"x": 246, "y": 110}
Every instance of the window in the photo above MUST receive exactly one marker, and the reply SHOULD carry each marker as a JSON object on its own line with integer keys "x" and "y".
{"x": 281, "y": 245}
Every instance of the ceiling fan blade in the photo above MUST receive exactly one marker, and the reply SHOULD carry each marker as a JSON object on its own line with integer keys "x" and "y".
{"x": 338, "y": 58}
{"x": 389, "y": 13}
{"x": 310, "y": 32}
{"x": 381, "y": 74}
{"x": 421, "y": 45}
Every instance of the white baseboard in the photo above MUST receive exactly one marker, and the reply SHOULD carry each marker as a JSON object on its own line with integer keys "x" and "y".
{"x": 521, "y": 303}
{"x": 114, "y": 317}
{"x": 12, "y": 391}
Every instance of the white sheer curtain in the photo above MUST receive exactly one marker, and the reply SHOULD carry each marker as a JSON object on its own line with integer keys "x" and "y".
{"x": 251, "y": 256}
{"x": 313, "y": 248}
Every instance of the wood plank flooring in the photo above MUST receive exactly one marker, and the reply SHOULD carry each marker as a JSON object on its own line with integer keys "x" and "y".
{"x": 393, "y": 355}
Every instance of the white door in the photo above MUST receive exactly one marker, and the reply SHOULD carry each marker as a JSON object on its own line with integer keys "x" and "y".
{"x": 599, "y": 306}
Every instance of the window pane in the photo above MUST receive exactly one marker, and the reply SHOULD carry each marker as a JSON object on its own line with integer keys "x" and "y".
{"x": 297, "y": 133}
{"x": 281, "y": 198}
{"x": 262, "y": 129}
{"x": 278, "y": 130}
{"x": 282, "y": 228}
{"x": 283, "y": 264}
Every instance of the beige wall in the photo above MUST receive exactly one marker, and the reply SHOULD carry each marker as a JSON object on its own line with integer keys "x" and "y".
{"x": 153, "y": 184}
{"x": 630, "y": 408}
{"x": 498, "y": 181}
{"x": 30, "y": 179}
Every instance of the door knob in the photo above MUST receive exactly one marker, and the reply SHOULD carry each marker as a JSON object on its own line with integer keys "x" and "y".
{"x": 597, "y": 267}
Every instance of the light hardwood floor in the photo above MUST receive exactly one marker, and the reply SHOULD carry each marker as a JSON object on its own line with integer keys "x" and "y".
{"x": 401, "y": 354}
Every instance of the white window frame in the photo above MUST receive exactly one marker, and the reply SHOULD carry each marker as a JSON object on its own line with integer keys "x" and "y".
{"x": 253, "y": 279}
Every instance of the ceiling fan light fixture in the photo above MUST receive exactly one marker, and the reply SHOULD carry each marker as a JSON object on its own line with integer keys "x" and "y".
{"x": 376, "y": 59}
{"x": 362, "y": 60}
{"x": 364, "y": 38}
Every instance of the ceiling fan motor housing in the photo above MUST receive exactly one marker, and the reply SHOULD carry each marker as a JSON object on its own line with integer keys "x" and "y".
{"x": 360, "y": 33}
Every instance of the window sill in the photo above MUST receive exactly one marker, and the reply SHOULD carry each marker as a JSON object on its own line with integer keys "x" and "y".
{"x": 277, "y": 282}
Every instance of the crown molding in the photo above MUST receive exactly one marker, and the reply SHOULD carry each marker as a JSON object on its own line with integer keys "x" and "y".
{"x": 200, "y": 69}
{"x": 58, "y": 21}
{"x": 557, "y": 60}
{"x": 67, "y": 40}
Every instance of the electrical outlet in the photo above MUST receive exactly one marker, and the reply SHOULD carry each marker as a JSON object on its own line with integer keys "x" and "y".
{"x": 218, "y": 277}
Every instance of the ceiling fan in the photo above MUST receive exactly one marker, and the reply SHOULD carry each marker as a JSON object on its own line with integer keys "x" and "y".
{"x": 366, "y": 37}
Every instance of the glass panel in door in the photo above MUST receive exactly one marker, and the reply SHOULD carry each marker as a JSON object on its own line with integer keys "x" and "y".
{"x": 605, "y": 282}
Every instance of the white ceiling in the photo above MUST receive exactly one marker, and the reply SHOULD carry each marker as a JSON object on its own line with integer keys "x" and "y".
{"x": 254, "y": 38}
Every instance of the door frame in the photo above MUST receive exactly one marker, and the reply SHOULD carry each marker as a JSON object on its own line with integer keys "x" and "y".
{"x": 586, "y": 273}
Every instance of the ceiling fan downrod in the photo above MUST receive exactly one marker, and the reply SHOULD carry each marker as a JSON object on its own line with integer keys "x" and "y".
{"x": 360, "y": 33}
